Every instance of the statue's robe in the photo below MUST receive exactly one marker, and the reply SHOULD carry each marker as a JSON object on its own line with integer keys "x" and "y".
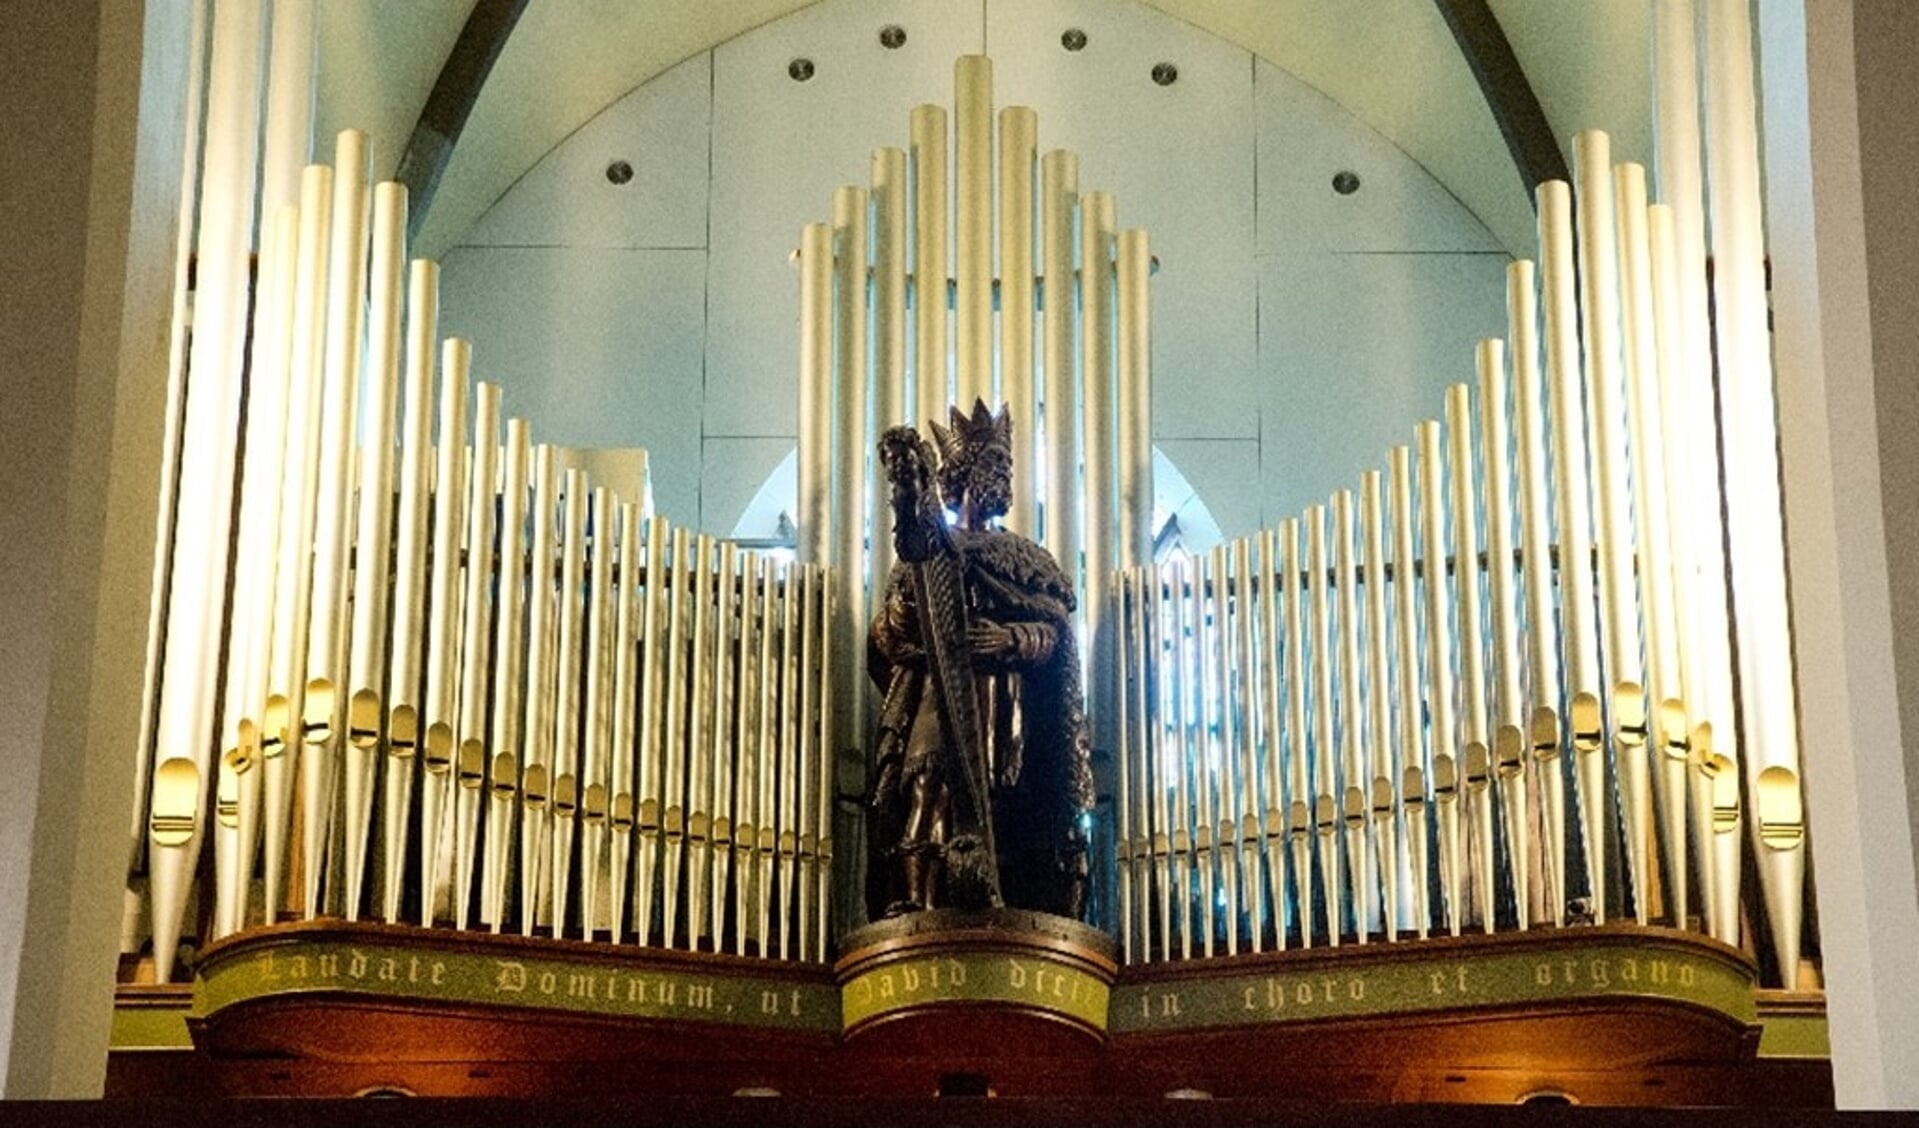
{"x": 1031, "y": 715}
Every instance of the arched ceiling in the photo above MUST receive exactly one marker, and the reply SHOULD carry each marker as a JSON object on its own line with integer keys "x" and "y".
{"x": 1393, "y": 63}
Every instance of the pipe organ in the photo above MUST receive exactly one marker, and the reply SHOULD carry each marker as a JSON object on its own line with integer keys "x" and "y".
{"x": 465, "y": 684}
{"x": 439, "y": 673}
{"x": 1544, "y": 732}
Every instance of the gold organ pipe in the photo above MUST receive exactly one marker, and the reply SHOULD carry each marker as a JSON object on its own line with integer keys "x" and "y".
{"x": 823, "y": 781}
{"x": 1542, "y": 731}
{"x": 699, "y": 765}
{"x": 323, "y": 709}
{"x": 929, "y": 161}
{"x": 752, "y": 704}
{"x": 442, "y": 661}
{"x": 677, "y": 674}
{"x": 973, "y": 215}
{"x": 536, "y": 781}
{"x": 569, "y": 654}
{"x": 1272, "y": 727}
{"x": 1299, "y": 817}
{"x": 1059, "y": 198}
{"x": 1439, "y": 668}
{"x": 186, "y": 718}
{"x": 1180, "y": 693}
{"x": 792, "y": 687}
{"x": 1606, "y": 414}
{"x": 1217, "y": 743}
{"x": 1755, "y": 538}
{"x": 891, "y": 408}
{"x": 854, "y": 440}
{"x": 1705, "y": 644}
{"x": 1475, "y": 768}
{"x": 412, "y": 536}
{"x": 1667, "y": 725}
{"x": 1325, "y": 810}
{"x": 724, "y": 744}
{"x": 1098, "y": 408}
{"x": 1509, "y": 704}
{"x": 1579, "y": 633}
{"x": 767, "y": 746}
{"x": 509, "y": 669}
{"x": 650, "y": 751}
{"x": 238, "y": 798}
{"x": 475, "y": 658}
{"x": 1413, "y": 795}
{"x": 1381, "y": 793}
{"x": 1243, "y": 692}
{"x": 815, "y": 517}
{"x": 1353, "y": 806}
{"x": 1018, "y": 155}
{"x": 596, "y": 770}
{"x": 806, "y": 764}
{"x": 622, "y": 809}
{"x": 366, "y": 666}
{"x": 1133, "y": 353}
{"x": 1127, "y": 829}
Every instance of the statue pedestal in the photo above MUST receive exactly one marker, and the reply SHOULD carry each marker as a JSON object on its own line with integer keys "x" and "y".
{"x": 957, "y": 997}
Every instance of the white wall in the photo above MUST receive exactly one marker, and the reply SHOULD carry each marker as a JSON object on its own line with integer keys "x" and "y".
{"x": 664, "y": 312}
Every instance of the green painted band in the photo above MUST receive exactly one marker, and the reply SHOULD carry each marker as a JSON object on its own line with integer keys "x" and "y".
{"x": 578, "y": 986}
{"x": 1414, "y": 983}
{"x": 1031, "y": 981}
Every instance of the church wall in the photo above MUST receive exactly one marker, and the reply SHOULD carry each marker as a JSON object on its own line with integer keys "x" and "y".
{"x": 663, "y": 312}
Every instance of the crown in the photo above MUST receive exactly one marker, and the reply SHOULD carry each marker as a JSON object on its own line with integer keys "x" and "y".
{"x": 983, "y": 428}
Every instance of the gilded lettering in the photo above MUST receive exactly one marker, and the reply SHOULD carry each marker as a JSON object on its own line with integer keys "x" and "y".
{"x": 268, "y": 974}
{"x": 1015, "y": 975}
{"x": 699, "y": 996}
{"x": 439, "y": 972}
{"x": 1661, "y": 972}
{"x": 933, "y": 974}
{"x": 1543, "y": 974}
{"x": 1303, "y": 994}
{"x": 910, "y": 978}
{"x": 1329, "y": 984}
{"x": 1057, "y": 993}
{"x": 389, "y": 970}
{"x": 1275, "y": 994}
{"x": 1686, "y": 975}
{"x": 580, "y": 986}
{"x": 356, "y": 964}
{"x": 297, "y": 967}
{"x": 635, "y": 989}
{"x": 1249, "y": 1004}
{"x": 1600, "y": 976}
{"x": 1356, "y": 989}
{"x": 549, "y": 982}
{"x": 769, "y": 1002}
{"x": 512, "y": 976}
{"x": 413, "y": 969}
{"x": 1629, "y": 971}
{"x": 328, "y": 965}
{"x": 1169, "y": 1004}
{"x": 1439, "y": 982}
{"x": 667, "y": 993}
{"x": 796, "y": 1002}
{"x": 863, "y": 988}
{"x": 1462, "y": 978}
{"x": 956, "y": 973}
{"x": 886, "y": 985}
{"x": 1572, "y": 972}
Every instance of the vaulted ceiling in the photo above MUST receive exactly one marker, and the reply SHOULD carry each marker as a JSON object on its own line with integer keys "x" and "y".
{"x": 1393, "y": 63}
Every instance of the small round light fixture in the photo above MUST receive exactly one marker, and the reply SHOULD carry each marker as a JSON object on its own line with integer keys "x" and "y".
{"x": 1345, "y": 182}
{"x": 619, "y": 172}
{"x": 1165, "y": 74}
{"x": 1073, "y": 39}
{"x": 800, "y": 69}
{"x": 892, "y": 37}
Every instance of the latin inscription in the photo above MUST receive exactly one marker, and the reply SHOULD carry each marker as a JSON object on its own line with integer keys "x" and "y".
{"x": 1414, "y": 984}
{"x": 982, "y": 977}
{"x": 547, "y": 983}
